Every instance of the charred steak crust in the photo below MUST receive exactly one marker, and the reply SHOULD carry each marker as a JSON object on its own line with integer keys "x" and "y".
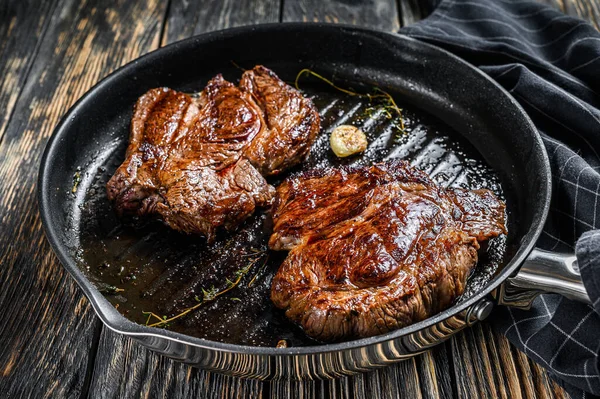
{"x": 373, "y": 249}
{"x": 291, "y": 122}
{"x": 198, "y": 162}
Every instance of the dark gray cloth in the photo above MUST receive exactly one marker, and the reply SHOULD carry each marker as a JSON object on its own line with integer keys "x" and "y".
{"x": 550, "y": 63}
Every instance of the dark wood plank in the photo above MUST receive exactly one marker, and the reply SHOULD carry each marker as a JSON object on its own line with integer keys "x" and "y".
{"x": 544, "y": 386}
{"x": 434, "y": 371}
{"x": 585, "y": 9}
{"x": 487, "y": 365}
{"x": 338, "y": 388}
{"x": 468, "y": 366}
{"x": 188, "y": 18}
{"x": 401, "y": 380}
{"x": 133, "y": 372}
{"x": 427, "y": 375}
{"x": 22, "y": 24}
{"x": 375, "y": 14}
{"x": 505, "y": 374}
{"x": 368, "y": 385}
{"x": 524, "y": 372}
{"x": 50, "y": 330}
{"x": 295, "y": 389}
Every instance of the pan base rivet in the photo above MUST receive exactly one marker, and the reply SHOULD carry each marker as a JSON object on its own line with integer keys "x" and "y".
{"x": 483, "y": 309}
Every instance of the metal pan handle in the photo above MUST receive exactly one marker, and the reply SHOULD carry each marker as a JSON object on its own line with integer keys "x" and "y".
{"x": 544, "y": 272}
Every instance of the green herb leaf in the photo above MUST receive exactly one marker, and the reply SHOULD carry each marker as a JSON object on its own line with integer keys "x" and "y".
{"x": 76, "y": 180}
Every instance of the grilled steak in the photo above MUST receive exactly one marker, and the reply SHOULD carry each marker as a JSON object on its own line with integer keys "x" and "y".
{"x": 376, "y": 248}
{"x": 195, "y": 161}
{"x": 291, "y": 122}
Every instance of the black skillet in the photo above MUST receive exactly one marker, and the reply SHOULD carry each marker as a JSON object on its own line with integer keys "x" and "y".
{"x": 462, "y": 128}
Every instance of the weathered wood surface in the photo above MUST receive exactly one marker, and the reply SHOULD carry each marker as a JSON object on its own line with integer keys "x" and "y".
{"x": 187, "y": 18}
{"x": 588, "y": 10}
{"x": 49, "y": 333}
{"x": 23, "y": 24}
{"x": 376, "y": 14}
{"x": 51, "y": 344}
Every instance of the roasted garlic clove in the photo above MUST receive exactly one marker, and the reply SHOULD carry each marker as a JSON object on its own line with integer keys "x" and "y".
{"x": 346, "y": 140}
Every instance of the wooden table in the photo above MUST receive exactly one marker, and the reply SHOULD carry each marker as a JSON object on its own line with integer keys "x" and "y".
{"x": 51, "y": 342}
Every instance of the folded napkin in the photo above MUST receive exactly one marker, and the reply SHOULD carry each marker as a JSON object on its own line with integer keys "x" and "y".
{"x": 550, "y": 63}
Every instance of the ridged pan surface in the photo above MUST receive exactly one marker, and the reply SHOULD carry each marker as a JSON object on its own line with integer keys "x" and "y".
{"x": 461, "y": 128}
{"x": 166, "y": 272}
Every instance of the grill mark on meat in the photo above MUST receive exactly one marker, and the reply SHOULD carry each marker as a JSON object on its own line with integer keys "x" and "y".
{"x": 291, "y": 122}
{"x": 198, "y": 162}
{"x": 401, "y": 253}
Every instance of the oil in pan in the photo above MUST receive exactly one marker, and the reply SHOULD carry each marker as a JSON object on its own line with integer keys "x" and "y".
{"x": 221, "y": 291}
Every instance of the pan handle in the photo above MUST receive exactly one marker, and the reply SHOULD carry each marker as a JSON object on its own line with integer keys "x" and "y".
{"x": 544, "y": 272}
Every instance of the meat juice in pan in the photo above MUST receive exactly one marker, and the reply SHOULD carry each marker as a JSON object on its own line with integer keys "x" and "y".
{"x": 143, "y": 266}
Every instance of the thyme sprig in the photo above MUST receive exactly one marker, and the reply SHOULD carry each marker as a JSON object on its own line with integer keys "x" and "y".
{"x": 388, "y": 104}
{"x": 76, "y": 180}
{"x": 208, "y": 295}
{"x": 110, "y": 289}
{"x": 259, "y": 272}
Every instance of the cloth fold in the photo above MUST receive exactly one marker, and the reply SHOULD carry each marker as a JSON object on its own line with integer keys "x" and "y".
{"x": 550, "y": 63}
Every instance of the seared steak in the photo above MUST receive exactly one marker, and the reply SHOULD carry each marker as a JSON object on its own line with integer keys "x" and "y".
{"x": 373, "y": 249}
{"x": 195, "y": 161}
{"x": 291, "y": 122}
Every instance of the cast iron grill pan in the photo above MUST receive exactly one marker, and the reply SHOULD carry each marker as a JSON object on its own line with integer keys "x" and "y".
{"x": 164, "y": 271}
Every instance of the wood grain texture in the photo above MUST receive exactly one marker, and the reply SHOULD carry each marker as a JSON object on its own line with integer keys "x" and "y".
{"x": 50, "y": 331}
{"x": 51, "y": 52}
{"x": 488, "y": 366}
{"x": 188, "y": 18}
{"x": 125, "y": 369}
{"x": 22, "y": 24}
{"x": 376, "y": 14}
{"x": 588, "y": 10}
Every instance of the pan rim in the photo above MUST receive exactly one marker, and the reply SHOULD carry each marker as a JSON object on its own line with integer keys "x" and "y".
{"x": 118, "y": 323}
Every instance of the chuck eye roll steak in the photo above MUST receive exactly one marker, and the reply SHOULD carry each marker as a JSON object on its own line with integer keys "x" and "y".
{"x": 373, "y": 249}
{"x": 198, "y": 161}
